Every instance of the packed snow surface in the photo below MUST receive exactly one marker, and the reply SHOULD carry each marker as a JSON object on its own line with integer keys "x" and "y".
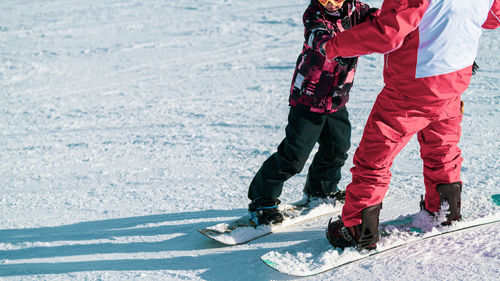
{"x": 127, "y": 125}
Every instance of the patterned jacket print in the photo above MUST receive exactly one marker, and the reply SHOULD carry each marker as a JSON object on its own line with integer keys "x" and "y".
{"x": 320, "y": 84}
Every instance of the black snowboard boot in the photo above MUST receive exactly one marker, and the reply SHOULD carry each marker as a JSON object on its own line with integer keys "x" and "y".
{"x": 326, "y": 190}
{"x": 361, "y": 236}
{"x": 266, "y": 213}
{"x": 451, "y": 193}
{"x": 339, "y": 195}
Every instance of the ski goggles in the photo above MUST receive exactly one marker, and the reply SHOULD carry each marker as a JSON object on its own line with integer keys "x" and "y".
{"x": 324, "y": 2}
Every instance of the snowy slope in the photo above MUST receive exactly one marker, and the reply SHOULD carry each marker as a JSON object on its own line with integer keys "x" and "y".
{"x": 126, "y": 125}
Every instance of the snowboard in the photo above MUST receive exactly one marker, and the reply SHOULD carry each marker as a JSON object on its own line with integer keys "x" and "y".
{"x": 244, "y": 229}
{"x": 317, "y": 255}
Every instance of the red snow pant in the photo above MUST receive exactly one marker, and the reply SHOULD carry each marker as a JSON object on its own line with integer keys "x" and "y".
{"x": 394, "y": 119}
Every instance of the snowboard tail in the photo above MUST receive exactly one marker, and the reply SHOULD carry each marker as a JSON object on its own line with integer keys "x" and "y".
{"x": 243, "y": 230}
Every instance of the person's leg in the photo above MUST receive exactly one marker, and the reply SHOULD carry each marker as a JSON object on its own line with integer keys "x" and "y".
{"x": 442, "y": 160}
{"x": 302, "y": 133}
{"x": 390, "y": 126}
{"x": 325, "y": 171}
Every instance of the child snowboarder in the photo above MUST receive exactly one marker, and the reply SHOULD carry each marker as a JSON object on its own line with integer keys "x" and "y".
{"x": 319, "y": 91}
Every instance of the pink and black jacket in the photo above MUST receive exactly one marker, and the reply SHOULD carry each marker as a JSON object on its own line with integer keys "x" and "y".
{"x": 319, "y": 84}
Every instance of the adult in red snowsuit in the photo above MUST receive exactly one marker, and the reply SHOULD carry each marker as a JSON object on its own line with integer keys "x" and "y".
{"x": 429, "y": 47}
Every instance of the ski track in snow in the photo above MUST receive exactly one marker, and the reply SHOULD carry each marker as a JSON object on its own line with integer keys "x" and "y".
{"x": 127, "y": 125}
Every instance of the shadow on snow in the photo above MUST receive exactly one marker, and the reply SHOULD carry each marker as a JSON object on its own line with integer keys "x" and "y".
{"x": 214, "y": 265}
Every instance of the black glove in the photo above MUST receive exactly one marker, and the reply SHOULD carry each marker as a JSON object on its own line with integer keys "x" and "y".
{"x": 344, "y": 61}
{"x": 475, "y": 67}
{"x": 372, "y": 12}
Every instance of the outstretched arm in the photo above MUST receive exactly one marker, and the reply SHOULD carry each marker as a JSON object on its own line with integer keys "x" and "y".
{"x": 384, "y": 33}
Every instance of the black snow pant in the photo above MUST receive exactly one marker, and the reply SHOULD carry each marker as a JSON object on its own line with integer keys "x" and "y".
{"x": 304, "y": 129}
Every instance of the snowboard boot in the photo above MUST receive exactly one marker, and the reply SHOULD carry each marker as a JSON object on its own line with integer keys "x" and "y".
{"x": 266, "y": 213}
{"x": 450, "y": 193}
{"x": 311, "y": 201}
{"x": 323, "y": 190}
{"x": 339, "y": 195}
{"x": 361, "y": 236}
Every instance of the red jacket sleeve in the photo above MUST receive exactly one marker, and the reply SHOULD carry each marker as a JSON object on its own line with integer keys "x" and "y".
{"x": 493, "y": 20}
{"x": 384, "y": 33}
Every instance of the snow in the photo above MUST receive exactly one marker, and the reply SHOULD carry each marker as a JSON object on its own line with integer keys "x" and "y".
{"x": 127, "y": 125}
